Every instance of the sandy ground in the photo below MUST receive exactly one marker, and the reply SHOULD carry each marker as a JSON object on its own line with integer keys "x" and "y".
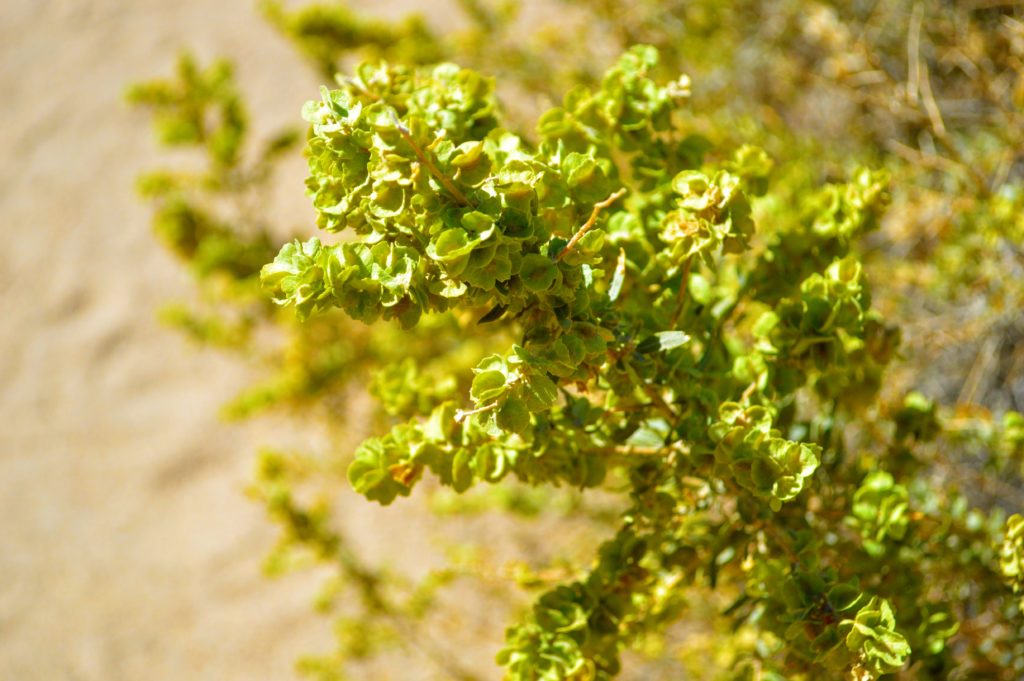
{"x": 127, "y": 549}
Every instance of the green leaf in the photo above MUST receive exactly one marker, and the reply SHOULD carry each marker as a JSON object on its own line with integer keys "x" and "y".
{"x": 663, "y": 341}
{"x": 539, "y": 393}
{"x": 370, "y": 473}
{"x": 488, "y": 386}
{"x": 513, "y": 416}
{"x": 539, "y": 273}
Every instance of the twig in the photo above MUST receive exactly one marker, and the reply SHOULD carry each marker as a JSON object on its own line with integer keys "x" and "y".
{"x": 598, "y": 207}
{"x": 460, "y": 414}
{"x": 748, "y": 392}
{"x": 425, "y": 160}
{"x": 914, "y": 54}
{"x": 629, "y": 450}
{"x": 919, "y": 82}
{"x": 982, "y": 360}
{"x": 931, "y": 106}
{"x": 925, "y": 159}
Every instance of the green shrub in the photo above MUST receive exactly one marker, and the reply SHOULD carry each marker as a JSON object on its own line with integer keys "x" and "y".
{"x": 657, "y": 292}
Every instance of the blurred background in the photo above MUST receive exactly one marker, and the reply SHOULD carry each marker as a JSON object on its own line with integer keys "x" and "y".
{"x": 128, "y": 547}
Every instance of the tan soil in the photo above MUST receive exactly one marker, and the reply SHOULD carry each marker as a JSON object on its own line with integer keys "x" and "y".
{"x": 127, "y": 549}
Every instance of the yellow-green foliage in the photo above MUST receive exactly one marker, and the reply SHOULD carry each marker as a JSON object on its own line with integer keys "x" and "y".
{"x": 681, "y": 295}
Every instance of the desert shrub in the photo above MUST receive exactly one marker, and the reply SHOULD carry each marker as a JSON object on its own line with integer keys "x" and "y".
{"x": 684, "y": 299}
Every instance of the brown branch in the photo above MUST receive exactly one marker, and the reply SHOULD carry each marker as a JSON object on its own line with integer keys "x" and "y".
{"x": 919, "y": 83}
{"x": 931, "y": 106}
{"x": 925, "y": 159}
{"x": 590, "y": 222}
{"x": 914, "y": 54}
{"x": 748, "y": 392}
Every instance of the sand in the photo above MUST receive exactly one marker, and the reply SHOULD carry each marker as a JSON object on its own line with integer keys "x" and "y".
{"x": 127, "y": 548}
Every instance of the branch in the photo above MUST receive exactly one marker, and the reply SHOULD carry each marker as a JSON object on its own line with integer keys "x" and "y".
{"x": 460, "y": 414}
{"x": 748, "y": 392}
{"x": 590, "y": 222}
{"x": 931, "y": 106}
{"x": 922, "y": 158}
{"x": 914, "y": 54}
{"x": 677, "y": 447}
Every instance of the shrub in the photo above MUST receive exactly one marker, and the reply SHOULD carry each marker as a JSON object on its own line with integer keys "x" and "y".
{"x": 656, "y": 297}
